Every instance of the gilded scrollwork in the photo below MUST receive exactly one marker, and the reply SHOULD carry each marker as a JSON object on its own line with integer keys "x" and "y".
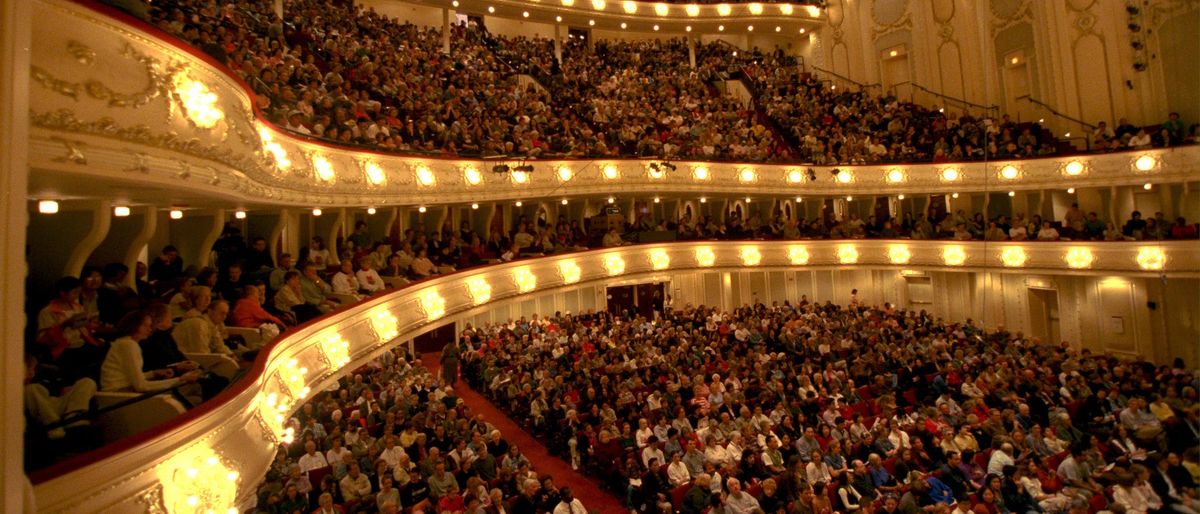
{"x": 153, "y": 499}
{"x": 74, "y": 151}
{"x": 81, "y": 52}
{"x": 156, "y": 82}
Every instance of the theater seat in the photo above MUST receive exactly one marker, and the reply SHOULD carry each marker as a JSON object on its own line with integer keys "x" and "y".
{"x": 252, "y": 336}
{"x": 394, "y": 282}
{"x": 216, "y": 363}
{"x": 136, "y": 417}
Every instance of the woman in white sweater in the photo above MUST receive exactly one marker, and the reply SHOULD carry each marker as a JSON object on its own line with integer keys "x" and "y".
{"x": 122, "y": 368}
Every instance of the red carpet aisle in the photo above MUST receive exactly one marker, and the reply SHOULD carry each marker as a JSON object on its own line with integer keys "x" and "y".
{"x": 588, "y": 492}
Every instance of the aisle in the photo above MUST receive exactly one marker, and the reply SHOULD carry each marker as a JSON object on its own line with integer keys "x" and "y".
{"x": 587, "y": 490}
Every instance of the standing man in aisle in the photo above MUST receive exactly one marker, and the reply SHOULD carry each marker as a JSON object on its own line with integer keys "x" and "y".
{"x": 450, "y": 364}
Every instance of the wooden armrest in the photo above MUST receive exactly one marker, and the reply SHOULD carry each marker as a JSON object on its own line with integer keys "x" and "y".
{"x": 252, "y": 336}
{"x": 216, "y": 363}
{"x": 394, "y": 282}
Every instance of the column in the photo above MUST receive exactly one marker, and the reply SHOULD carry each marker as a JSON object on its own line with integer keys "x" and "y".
{"x": 691, "y": 51}
{"x": 273, "y": 246}
{"x": 204, "y": 255}
{"x": 445, "y": 30}
{"x": 331, "y": 240}
{"x": 101, "y": 221}
{"x": 558, "y": 43}
{"x": 149, "y": 226}
{"x": 14, "y": 175}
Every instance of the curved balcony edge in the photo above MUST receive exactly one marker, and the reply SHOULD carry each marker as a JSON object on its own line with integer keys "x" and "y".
{"x": 95, "y": 129}
{"x": 239, "y": 430}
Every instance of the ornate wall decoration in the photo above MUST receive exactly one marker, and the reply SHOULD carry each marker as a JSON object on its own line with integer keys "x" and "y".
{"x": 1006, "y": 13}
{"x": 156, "y": 81}
{"x": 889, "y": 16}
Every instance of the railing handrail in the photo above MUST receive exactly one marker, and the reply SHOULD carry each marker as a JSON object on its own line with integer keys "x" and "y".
{"x": 991, "y": 108}
{"x": 839, "y": 76}
{"x": 1055, "y": 112}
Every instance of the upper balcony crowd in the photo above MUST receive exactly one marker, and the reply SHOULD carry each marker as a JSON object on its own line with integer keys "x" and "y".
{"x": 347, "y": 75}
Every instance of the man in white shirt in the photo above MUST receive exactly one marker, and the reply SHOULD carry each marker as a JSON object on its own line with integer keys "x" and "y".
{"x": 1000, "y": 458}
{"x": 369, "y": 279}
{"x": 677, "y": 471}
{"x": 311, "y": 459}
{"x": 568, "y": 504}
{"x": 652, "y": 451}
{"x": 391, "y": 453}
{"x": 738, "y": 501}
{"x": 355, "y": 485}
{"x": 644, "y": 433}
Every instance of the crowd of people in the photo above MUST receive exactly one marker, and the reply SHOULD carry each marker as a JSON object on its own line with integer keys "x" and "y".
{"x": 346, "y": 74}
{"x": 819, "y": 408}
{"x": 390, "y": 438}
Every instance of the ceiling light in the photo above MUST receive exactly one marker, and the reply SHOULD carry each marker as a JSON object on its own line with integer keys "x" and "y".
{"x": 121, "y": 211}
{"x": 893, "y": 53}
{"x": 1147, "y": 186}
{"x": 519, "y": 203}
{"x": 1012, "y": 193}
{"x": 656, "y": 27}
{"x": 612, "y": 200}
{"x": 1144, "y": 163}
{"x": 564, "y": 201}
{"x": 1070, "y": 190}
{"x": 1074, "y": 168}
{"x": 750, "y": 28}
{"x": 176, "y": 214}
{"x": 720, "y": 28}
{"x": 474, "y": 206}
{"x": 47, "y": 207}
{"x": 316, "y": 212}
{"x": 778, "y": 28}
{"x": 370, "y": 211}
{"x": 454, "y": 3}
{"x": 592, "y": 23}
{"x": 623, "y": 25}
{"x": 955, "y": 195}
{"x": 421, "y": 209}
{"x": 559, "y": 18}
{"x": 849, "y": 198}
{"x": 525, "y": 14}
{"x": 688, "y": 28}
{"x": 747, "y": 199}
{"x": 703, "y": 200}
{"x": 799, "y": 199}
{"x": 657, "y": 199}
{"x": 803, "y": 31}
{"x": 241, "y": 215}
{"x": 491, "y": 9}
{"x": 900, "y": 197}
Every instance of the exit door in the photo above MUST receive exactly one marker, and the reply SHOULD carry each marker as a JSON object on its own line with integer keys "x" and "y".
{"x": 636, "y": 300}
{"x": 1043, "y": 315}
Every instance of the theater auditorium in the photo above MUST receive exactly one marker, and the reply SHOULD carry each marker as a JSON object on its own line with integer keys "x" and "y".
{"x": 600, "y": 256}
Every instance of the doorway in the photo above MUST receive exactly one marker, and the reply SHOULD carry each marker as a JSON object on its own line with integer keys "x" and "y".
{"x": 434, "y": 340}
{"x": 645, "y": 300}
{"x": 1044, "y": 316}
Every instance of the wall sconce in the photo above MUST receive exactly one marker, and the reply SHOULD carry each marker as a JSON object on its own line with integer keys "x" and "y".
{"x": 525, "y": 279}
{"x": 1145, "y": 163}
{"x": 323, "y": 168}
{"x": 198, "y": 102}
{"x": 895, "y": 176}
{"x": 899, "y": 254}
{"x": 386, "y": 326}
{"x": 1013, "y": 256}
{"x": 1009, "y": 172}
{"x": 293, "y": 377}
{"x": 659, "y": 260}
{"x": 569, "y": 271}
{"x": 336, "y": 351}
{"x": 197, "y": 481}
{"x": 1079, "y": 258}
{"x": 432, "y": 304}
{"x": 472, "y": 176}
{"x": 798, "y": 255}
{"x": 479, "y": 290}
{"x": 750, "y": 255}
{"x": 1151, "y": 258}
{"x": 847, "y": 254}
{"x": 700, "y": 173}
{"x": 611, "y": 172}
{"x": 705, "y": 256}
{"x": 375, "y": 175}
{"x": 950, "y": 174}
{"x": 614, "y": 264}
{"x": 954, "y": 255}
{"x": 795, "y": 176}
{"x": 747, "y": 175}
{"x": 425, "y": 176}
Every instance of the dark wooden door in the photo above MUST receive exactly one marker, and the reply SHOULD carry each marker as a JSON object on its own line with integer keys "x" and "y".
{"x": 435, "y": 339}
{"x": 621, "y": 300}
{"x": 649, "y": 299}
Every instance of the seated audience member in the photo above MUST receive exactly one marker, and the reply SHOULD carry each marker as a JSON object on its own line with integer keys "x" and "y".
{"x": 166, "y": 268}
{"x": 275, "y": 278}
{"x": 421, "y": 266}
{"x": 183, "y": 300}
{"x": 289, "y": 299}
{"x": 345, "y": 281}
{"x": 249, "y": 312}
{"x": 122, "y": 368}
{"x": 230, "y": 285}
{"x": 45, "y": 409}
{"x": 205, "y": 332}
{"x": 369, "y": 280}
{"x": 65, "y": 332}
{"x": 160, "y": 351}
{"x": 315, "y": 291}
{"x": 393, "y": 267}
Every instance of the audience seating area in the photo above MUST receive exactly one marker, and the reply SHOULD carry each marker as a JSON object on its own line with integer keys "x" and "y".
{"x": 346, "y": 75}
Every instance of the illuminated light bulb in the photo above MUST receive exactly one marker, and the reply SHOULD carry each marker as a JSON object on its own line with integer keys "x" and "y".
{"x": 491, "y": 10}
{"x": 1151, "y": 258}
{"x": 688, "y": 28}
{"x": 47, "y": 207}
{"x": 893, "y": 53}
{"x": 799, "y": 199}
{"x": 703, "y": 200}
{"x": 844, "y": 177}
{"x": 724, "y": 9}
{"x": 569, "y": 271}
{"x": 454, "y": 3}
{"x": 421, "y": 209}
{"x": 1074, "y": 168}
{"x": 316, "y": 212}
{"x": 1070, "y": 190}
{"x": 656, "y": 172}
{"x": 1079, "y": 258}
{"x": 472, "y": 176}
{"x": 849, "y": 198}
{"x": 803, "y": 31}
{"x": 525, "y": 14}
{"x": 700, "y": 173}
{"x": 659, "y": 259}
{"x": 567, "y": 3}
{"x": 750, "y": 28}
{"x": 232, "y": 475}
{"x": 1012, "y": 193}
{"x": 785, "y": 9}
{"x": 656, "y": 27}
{"x": 778, "y": 28}
{"x": 1068, "y": 134}
{"x": 950, "y": 174}
{"x": 795, "y": 176}
{"x": 121, "y": 211}
{"x": 954, "y": 255}
{"x": 900, "y": 197}
{"x": 705, "y": 256}
{"x": 564, "y": 173}
{"x": 614, "y": 264}
{"x": 1008, "y": 172}
{"x": 1148, "y": 186}
{"x": 199, "y": 103}
{"x": 192, "y": 472}
{"x": 955, "y": 195}
{"x": 525, "y": 279}
{"x": 611, "y": 172}
{"x": 629, "y": 7}
{"x": 475, "y": 206}
{"x": 612, "y": 200}
{"x": 591, "y": 23}
{"x": 720, "y": 28}
{"x": 747, "y": 199}
{"x": 276, "y": 151}
{"x": 387, "y": 326}
{"x": 479, "y": 289}
{"x": 598, "y": 5}
{"x": 623, "y": 25}
{"x": 519, "y": 203}
{"x": 1013, "y": 256}
{"x": 692, "y": 10}
{"x": 750, "y": 256}
{"x": 564, "y": 201}
{"x": 661, "y": 9}
{"x": 798, "y": 255}
{"x": 425, "y": 176}
{"x": 755, "y": 8}
{"x": 176, "y": 214}
{"x": 847, "y": 254}
{"x": 813, "y": 10}
{"x": 747, "y": 175}
{"x": 241, "y": 215}
{"x": 899, "y": 254}
{"x": 657, "y": 199}
{"x": 559, "y": 18}
{"x": 193, "y": 501}
{"x": 375, "y": 174}
{"x": 323, "y": 168}
{"x": 432, "y": 304}
{"x": 520, "y": 177}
